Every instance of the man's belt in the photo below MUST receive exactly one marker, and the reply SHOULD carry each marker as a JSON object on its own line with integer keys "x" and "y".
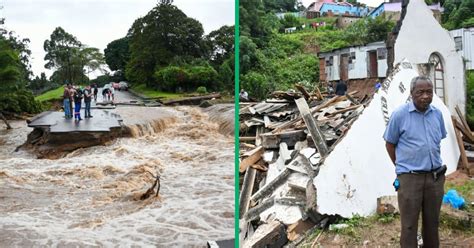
{"x": 438, "y": 172}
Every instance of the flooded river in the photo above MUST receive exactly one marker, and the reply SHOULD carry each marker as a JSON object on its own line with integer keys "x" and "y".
{"x": 91, "y": 196}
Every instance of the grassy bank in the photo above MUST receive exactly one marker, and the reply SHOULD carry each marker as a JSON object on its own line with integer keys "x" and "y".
{"x": 151, "y": 93}
{"x": 55, "y": 94}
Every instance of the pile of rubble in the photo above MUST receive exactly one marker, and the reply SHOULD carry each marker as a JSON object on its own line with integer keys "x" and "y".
{"x": 465, "y": 138}
{"x": 284, "y": 141}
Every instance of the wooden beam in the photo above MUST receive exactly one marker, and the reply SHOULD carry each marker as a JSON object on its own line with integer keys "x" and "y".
{"x": 253, "y": 156}
{"x": 270, "y": 234}
{"x": 344, "y": 110}
{"x": 468, "y": 135}
{"x": 302, "y": 90}
{"x": 352, "y": 99}
{"x": 254, "y": 212}
{"x": 270, "y": 186}
{"x": 313, "y": 128}
{"x": 464, "y": 162}
{"x": 247, "y": 188}
{"x": 463, "y": 121}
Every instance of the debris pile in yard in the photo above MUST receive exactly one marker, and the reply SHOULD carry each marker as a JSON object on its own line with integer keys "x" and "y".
{"x": 284, "y": 140}
{"x": 465, "y": 138}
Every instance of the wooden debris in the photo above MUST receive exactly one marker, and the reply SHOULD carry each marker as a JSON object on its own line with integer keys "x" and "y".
{"x": 464, "y": 161}
{"x": 303, "y": 91}
{"x": 387, "y": 205}
{"x": 271, "y": 234}
{"x": 253, "y": 157}
{"x": 313, "y": 128}
{"x": 295, "y": 230}
{"x": 283, "y": 125}
{"x": 247, "y": 189}
{"x": 268, "y": 188}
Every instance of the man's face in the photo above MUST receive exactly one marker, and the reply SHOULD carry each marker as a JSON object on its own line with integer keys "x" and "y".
{"x": 422, "y": 95}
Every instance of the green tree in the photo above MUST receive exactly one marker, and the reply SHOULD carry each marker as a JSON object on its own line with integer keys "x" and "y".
{"x": 13, "y": 95}
{"x": 164, "y": 33}
{"x": 221, "y": 43}
{"x": 283, "y": 5}
{"x": 117, "y": 54}
{"x": 60, "y": 49}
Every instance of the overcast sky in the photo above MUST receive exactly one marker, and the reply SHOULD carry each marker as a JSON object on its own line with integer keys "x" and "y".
{"x": 97, "y": 22}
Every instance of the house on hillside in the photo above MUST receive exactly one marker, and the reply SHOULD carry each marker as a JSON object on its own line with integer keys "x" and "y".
{"x": 331, "y": 8}
{"x": 464, "y": 42}
{"x": 420, "y": 39}
{"x": 357, "y": 62}
{"x": 392, "y": 10}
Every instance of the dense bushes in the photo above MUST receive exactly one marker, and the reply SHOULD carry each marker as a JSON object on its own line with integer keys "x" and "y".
{"x": 21, "y": 101}
{"x": 185, "y": 78}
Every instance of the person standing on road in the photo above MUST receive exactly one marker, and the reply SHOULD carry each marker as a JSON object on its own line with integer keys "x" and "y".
{"x": 77, "y": 104}
{"x": 87, "y": 101}
{"x": 112, "y": 93}
{"x": 413, "y": 137}
{"x": 96, "y": 91}
{"x": 66, "y": 101}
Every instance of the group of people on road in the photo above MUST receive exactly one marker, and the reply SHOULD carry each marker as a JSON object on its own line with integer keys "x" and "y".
{"x": 73, "y": 96}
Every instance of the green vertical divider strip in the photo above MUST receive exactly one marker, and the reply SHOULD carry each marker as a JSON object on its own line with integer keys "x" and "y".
{"x": 236, "y": 123}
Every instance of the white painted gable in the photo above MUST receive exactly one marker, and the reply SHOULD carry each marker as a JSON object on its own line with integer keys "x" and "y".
{"x": 359, "y": 170}
{"x": 419, "y": 37}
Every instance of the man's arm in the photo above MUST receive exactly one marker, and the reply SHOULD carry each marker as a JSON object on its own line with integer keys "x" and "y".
{"x": 391, "y": 151}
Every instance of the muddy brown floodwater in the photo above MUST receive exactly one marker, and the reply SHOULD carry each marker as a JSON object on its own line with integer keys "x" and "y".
{"x": 90, "y": 197}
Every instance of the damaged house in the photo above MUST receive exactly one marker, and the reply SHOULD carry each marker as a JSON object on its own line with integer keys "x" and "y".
{"x": 369, "y": 61}
{"x": 307, "y": 157}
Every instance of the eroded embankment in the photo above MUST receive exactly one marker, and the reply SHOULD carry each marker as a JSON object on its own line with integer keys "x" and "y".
{"x": 90, "y": 196}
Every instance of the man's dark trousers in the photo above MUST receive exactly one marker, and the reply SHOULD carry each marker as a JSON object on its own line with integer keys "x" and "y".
{"x": 87, "y": 111}
{"x": 420, "y": 192}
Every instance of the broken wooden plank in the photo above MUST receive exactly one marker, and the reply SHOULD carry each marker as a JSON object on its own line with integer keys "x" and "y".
{"x": 312, "y": 126}
{"x": 350, "y": 117}
{"x": 270, "y": 186}
{"x": 273, "y": 140}
{"x": 255, "y": 212}
{"x": 295, "y": 230}
{"x": 463, "y": 121}
{"x": 247, "y": 188}
{"x": 344, "y": 110}
{"x": 352, "y": 99}
{"x": 253, "y": 156}
{"x": 246, "y": 138}
{"x": 469, "y": 137}
{"x": 270, "y": 234}
{"x": 302, "y": 90}
{"x": 464, "y": 161}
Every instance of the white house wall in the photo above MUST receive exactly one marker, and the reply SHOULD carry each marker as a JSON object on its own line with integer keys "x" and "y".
{"x": 359, "y": 69}
{"x": 420, "y": 36}
{"x": 467, "y": 50}
{"x": 359, "y": 170}
{"x": 382, "y": 67}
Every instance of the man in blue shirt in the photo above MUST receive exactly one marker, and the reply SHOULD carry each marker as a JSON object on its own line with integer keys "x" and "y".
{"x": 413, "y": 136}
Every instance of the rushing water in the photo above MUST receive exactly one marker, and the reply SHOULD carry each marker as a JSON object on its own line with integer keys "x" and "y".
{"x": 90, "y": 197}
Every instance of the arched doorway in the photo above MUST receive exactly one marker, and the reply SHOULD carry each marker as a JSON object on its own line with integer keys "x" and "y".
{"x": 437, "y": 75}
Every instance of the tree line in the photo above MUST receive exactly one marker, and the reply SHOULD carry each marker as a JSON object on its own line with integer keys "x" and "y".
{"x": 165, "y": 50}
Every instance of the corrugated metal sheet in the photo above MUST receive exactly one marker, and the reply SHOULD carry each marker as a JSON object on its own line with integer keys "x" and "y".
{"x": 467, "y": 51}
